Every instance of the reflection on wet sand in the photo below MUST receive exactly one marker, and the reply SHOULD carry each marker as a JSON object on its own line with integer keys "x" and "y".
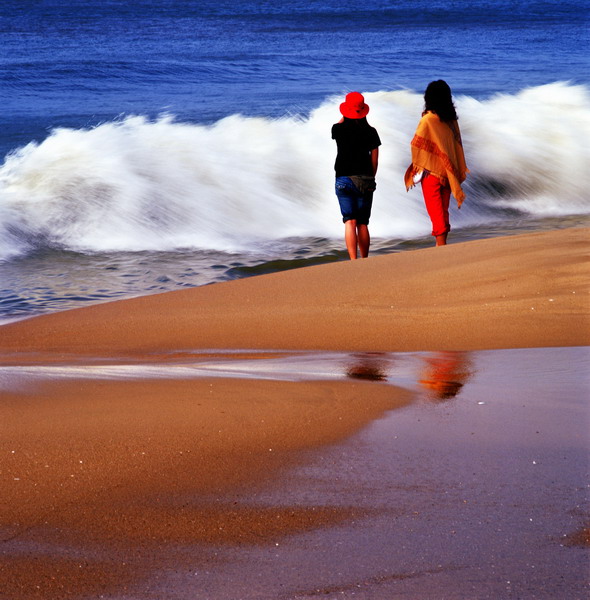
{"x": 371, "y": 366}
{"x": 445, "y": 373}
{"x": 441, "y": 374}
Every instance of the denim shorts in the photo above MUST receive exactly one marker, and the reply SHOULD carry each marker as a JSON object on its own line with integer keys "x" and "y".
{"x": 353, "y": 205}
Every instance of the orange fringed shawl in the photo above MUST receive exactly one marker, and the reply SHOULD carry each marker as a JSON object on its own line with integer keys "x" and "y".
{"x": 437, "y": 148}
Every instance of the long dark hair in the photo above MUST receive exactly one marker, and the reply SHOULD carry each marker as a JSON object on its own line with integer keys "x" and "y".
{"x": 438, "y": 99}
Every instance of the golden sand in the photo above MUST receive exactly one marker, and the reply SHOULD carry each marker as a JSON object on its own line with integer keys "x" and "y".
{"x": 98, "y": 475}
{"x": 522, "y": 291}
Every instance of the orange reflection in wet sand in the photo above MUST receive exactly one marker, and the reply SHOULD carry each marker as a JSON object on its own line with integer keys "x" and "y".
{"x": 445, "y": 373}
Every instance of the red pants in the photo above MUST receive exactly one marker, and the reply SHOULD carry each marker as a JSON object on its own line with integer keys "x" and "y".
{"x": 436, "y": 198}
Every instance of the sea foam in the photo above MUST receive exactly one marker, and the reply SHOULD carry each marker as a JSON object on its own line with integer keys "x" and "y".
{"x": 137, "y": 184}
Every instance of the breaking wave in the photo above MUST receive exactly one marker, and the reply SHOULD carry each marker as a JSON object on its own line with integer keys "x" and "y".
{"x": 137, "y": 184}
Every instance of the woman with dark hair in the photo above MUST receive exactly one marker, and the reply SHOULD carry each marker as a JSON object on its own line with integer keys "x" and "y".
{"x": 356, "y": 165}
{"x": 438, "y": 162}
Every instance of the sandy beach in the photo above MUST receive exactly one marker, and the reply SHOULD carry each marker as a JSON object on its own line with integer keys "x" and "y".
{"x": 133, "y": 487}
{"x": 521, "y": 291}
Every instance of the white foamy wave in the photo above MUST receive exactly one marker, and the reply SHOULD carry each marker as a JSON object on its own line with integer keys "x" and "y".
{"x": 162, "y": 185}
{"x": 530, "y": 152}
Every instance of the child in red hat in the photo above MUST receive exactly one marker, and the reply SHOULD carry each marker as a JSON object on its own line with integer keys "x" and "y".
{"x": 356, "y": 166}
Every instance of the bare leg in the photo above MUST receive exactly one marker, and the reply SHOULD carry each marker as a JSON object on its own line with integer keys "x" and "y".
{"x": 441, "y": 240}
{"x": 364, "y": 240}
{"x": 350, "y": 238}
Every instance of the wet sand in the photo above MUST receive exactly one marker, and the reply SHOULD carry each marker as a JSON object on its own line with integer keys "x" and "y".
{"x": 100, "y": 473}
{"x": 370, "y": 485}
{"x": 469, "y": 483}
{"x": 470, "y": 492}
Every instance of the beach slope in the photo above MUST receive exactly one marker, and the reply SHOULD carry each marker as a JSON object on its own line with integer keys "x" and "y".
{"x": 521, "y": 291}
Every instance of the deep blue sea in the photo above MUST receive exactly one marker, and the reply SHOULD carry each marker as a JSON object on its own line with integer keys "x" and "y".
{"x": 148, "y": 146}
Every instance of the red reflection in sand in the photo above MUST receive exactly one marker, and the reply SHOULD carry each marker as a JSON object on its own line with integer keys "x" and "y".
{"x": 445, "y": 373}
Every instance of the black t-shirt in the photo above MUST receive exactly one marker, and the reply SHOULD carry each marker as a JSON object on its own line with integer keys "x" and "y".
{"x": 355, "y": 139}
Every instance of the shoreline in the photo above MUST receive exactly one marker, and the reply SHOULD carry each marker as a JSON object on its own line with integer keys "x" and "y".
{"x": 37, "y": 285}
{"x": 528, "y": 290}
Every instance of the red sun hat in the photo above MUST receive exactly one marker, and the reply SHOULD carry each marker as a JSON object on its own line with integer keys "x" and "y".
{"x": 354, "y": 106}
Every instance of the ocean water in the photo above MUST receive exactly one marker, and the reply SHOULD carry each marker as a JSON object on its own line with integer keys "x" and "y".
{"x": 148, "y": 146}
